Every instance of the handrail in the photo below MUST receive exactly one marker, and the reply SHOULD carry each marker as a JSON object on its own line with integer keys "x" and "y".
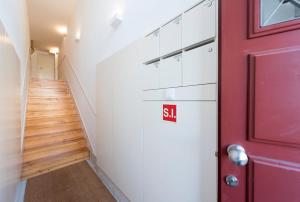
{"x": 64, "y": 58}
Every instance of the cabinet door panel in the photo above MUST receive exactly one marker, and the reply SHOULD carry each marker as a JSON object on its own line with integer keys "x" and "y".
{"x": 170, "y": 37}
{"x": 170, "y": 72}
{"x": 151, "y": 46}
{"x": 199, "y": 24}
{"x": 199, "y": 66}
{"x": 151, "y": 76}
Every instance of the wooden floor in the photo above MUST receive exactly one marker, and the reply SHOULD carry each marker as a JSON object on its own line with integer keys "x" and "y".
{"x": 53, "y": 138}
{"x": 76, "y": 183}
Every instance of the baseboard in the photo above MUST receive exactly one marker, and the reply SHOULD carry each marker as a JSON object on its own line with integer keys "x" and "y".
{"x": 113, "y": 189}
{"x": 21, "y": 191}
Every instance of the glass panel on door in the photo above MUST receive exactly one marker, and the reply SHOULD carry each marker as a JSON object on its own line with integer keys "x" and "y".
{"x": 277, "y": 11}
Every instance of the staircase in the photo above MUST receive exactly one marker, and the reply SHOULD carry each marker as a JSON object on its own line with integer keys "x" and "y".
{"x": 54, "y": 137}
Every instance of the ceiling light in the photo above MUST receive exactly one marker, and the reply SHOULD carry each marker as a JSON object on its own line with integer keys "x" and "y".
{"x": 62, "y": 30}
{"x": 54, "y": 50}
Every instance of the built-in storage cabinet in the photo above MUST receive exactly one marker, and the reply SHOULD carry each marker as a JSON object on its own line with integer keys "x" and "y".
{"x": 199, "y": 24}
{"x": 199, "y": 65}
{"x": 185, "y": 48}
{"x": 151, "y": 76}
{"x": 151, "y": 46}
{"x": 170, "y": 72}
{"x": 180, "y": 109}
{"x": 170, "y": 37}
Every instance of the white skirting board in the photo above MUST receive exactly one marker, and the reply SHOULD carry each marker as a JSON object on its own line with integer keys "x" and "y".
{"x": 112, "y": 188}
{"x": 21, "y": 191}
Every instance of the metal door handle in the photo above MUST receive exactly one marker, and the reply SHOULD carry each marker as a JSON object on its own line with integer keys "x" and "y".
{"x": 237, "y": 154}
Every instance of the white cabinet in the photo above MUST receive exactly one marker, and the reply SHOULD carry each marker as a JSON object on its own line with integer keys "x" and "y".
{"x": 170, "y": 72}
{"x": 179, "y": 158}
{"x": 199, "y": 23}
{"x": 170, "y": 37}
{"x": 199, "y": 65}
{"x": 150, "y": 76}
{"x": 151, "y": 46}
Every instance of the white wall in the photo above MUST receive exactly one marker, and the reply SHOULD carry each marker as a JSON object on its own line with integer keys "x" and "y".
{"x": 119, "y": 120}
{"x": 42, "y": 65}
{"x": 14, "y": 16}
{"x": 99, "y": 40}
{"x": 10, "y": 119}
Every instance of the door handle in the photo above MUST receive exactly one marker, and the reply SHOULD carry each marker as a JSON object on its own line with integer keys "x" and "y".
{"x": 237, "y": 154}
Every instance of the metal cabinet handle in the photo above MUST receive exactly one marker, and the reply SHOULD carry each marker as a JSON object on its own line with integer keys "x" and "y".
{"x": 237, "y": 154}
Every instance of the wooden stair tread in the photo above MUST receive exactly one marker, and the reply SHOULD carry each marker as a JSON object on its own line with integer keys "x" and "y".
{"x": 56, "y": 140}
{"x": 50, "y": 100}
{"x": 44, "y": 166}
{"x": 53, "y": 120}
{"x": 38, "y": 141}
{"x": 47, "y": 82}
{"x": 39, "y": 130}
{"x": 54, "y": 137}
{"x": 49, "y": 94}
{"x": 53, "y": 150}
{"x": 31, "y": 115}
{"x": 39, "y": 107}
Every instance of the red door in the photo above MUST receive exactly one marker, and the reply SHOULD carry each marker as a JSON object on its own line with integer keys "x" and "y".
{"x": 260, "y": 100}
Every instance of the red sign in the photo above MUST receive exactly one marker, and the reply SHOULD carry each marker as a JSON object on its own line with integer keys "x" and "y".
{"x": 169, "y": 113}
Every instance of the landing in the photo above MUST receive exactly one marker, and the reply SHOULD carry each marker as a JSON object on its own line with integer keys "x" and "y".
{"x": 76, "y": 183}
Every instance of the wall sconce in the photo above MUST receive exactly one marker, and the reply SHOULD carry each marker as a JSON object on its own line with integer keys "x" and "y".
{"x": 116, "y": 20}
{"x": 77, "y": 36}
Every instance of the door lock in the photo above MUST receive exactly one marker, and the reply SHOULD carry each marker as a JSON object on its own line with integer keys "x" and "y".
{"x": 232, "y": 181}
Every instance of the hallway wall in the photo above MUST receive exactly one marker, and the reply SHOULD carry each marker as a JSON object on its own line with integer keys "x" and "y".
{"x": 14, "y": 79}
{"x": 42, "y": 65}
{"x": 98, "y": 40}
{"x": 14, "y": 16}
{"x": 10, "y": 124}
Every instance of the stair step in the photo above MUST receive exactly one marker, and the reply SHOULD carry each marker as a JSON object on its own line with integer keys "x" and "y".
{"x": 46, "y": 121}
{"x": 49, "y": 86}
{"x": 53, "y": 150}
{"x": 31, "y": 115}
{"x": 49, "y": 100}
{"x": 64, "y": 96}
{"x": 53, "y": 139}
{"x": 51, "y": 107}
{"x": 59, "y": 128}
{"x": 49, "y": 94}
{"x": 39, "y": 81}
{"x": 36, "y": 168}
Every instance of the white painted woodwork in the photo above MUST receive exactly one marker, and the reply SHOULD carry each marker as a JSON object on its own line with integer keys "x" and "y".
{"x": 199, "y": 23}
{"x": 190, "y": 93}
{"x": 150, "y": 75}
{"x": 179, "y": 158}
{"x": 170, "y": 72}
{"x": 10, "y": 119}
{"x": 119, "y": 120}
{"x": 147, "y": 158}
{"x": 151, "y": 44}
{"x": 170, "y": 37}
{"x": 199, "y": 66}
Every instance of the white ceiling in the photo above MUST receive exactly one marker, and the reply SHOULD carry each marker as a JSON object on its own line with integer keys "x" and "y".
{"x": 44, "y": 18}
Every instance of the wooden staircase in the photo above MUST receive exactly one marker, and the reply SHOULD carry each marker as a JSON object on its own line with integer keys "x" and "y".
{"x": 54, "y": 137}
